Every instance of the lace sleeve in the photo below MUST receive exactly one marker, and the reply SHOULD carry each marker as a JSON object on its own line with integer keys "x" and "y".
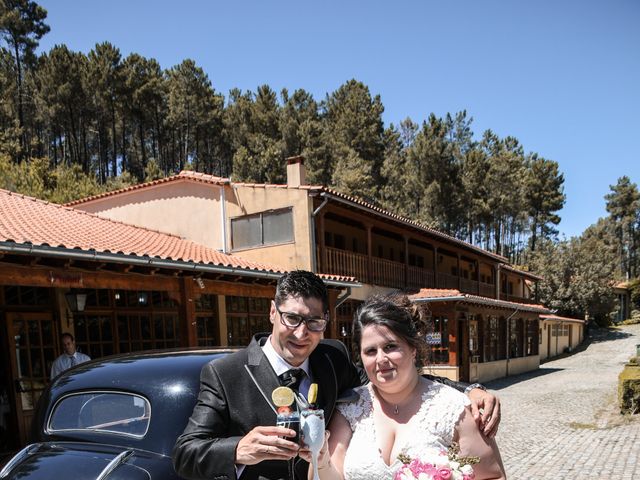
{"x": 442, "y": 409}
{"x": 358, "y": 409}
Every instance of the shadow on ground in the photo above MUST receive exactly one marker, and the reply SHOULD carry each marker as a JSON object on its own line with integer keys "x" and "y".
{"x": 599, "y": 334}
{"x": 523, "y": 377}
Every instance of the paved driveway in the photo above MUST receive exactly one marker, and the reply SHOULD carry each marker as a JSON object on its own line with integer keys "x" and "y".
{"x": 561, "y": 421}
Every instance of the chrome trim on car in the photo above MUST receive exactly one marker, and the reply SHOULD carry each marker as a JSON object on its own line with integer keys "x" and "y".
{"x": 113, "y": 464}
{"x": 18, "y": 457}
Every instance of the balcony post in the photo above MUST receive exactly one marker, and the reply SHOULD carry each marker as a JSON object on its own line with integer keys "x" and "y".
{"x": 478, "y": 276}
{"x": 498, "y": 282}
{"x": 459, "y": 274}
{"x": 370, "y": 279}
{"x": 406, "y": 261}
{"x": 435, "y": 266}
{"x": 323, "y": 250}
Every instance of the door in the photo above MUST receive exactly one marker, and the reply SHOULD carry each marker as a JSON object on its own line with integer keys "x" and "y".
{"x": 32, "y": 350}
{"x": 463, "y": 347}
{"x": 570, "y": 337}
{"x": 474, "y": 348}
{"x": 8, "y": 441}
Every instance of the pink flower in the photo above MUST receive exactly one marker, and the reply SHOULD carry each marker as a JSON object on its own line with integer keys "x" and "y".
{"x": 445, "y": 473}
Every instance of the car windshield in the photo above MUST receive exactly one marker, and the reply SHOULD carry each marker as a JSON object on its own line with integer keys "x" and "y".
{"x": 110, "y": 412}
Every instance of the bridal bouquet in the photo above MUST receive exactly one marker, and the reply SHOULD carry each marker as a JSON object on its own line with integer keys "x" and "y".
{"x": 437, "y": 466}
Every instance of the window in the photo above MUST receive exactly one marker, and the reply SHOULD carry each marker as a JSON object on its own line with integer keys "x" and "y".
{"x": 516, "y": 337}
{"x": 119, "y": 321}
{"x": 27, "y": 296}
{"x": 207, "y": 320}
{"x": 95, "y": 333}
{"x": 491, "y": 336}
{"x": 560, "y": 330}
{"x": 531, "y": 346}
{"x": 246, "y": 316}
{"x": 344, "y": 319}
{"x": 439, "y": 341}
{"x": 474, "y": 346}
{"x": 105, "y": 412}
{"x": 339, "y": 241}
{"x": 266, "y": 228}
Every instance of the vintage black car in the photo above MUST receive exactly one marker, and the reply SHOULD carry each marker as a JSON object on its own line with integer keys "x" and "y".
{"x": 114, "y": 418}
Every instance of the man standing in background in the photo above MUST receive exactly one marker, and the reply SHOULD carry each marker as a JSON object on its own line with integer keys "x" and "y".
{"x": 70, "y": 358}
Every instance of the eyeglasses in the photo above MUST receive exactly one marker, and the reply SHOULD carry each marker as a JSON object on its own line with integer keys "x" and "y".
{"x": 293, "y": 321}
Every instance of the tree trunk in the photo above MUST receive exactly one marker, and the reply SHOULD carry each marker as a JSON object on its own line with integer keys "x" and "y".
{"x": 23, "y": 144}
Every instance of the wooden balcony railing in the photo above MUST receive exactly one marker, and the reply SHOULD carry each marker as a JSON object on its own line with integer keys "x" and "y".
{"x": 487, "y": 290}
{"x": 387, "y": 272}
{"x": 447, "y": 281}
{"x": 392, "y": 274}
{"x": 420, "y": 278}
{"x": 342, "y": 262}
{"x": 469, "y": 286}
{"x": 516, "y": 298}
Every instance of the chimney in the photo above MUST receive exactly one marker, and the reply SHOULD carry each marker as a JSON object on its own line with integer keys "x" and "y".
{"x": 296, "y": 174}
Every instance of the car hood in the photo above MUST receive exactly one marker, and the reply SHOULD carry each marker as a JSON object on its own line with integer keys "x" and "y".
{"x": 84, "y": 461}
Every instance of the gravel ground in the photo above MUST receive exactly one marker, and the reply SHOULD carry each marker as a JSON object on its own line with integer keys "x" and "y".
{"x": 562, "y": 420}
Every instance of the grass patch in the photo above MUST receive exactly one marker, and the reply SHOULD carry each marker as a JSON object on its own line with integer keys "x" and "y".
{"x": 583, "y": 426}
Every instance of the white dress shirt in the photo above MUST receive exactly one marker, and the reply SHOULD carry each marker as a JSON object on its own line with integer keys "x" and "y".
{"x": 65, "y": 362}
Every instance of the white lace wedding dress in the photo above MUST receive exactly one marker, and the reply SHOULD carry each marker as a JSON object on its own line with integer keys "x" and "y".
{"x": 432, "y": 428}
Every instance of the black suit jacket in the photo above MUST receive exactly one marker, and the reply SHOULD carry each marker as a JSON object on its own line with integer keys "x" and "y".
{"x": 235, "y": 397}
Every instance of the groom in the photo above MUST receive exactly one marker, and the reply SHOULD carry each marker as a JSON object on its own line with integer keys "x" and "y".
{"x": 231, "y": 433}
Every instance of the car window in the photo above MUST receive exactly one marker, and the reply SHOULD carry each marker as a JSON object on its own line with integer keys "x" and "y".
{"x": 113, "y": 412}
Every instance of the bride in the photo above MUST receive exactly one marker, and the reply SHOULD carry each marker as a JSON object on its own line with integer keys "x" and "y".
{"x": 399, "y": 412}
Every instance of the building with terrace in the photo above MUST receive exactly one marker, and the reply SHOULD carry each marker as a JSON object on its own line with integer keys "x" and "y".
{"x": 485, "y": 312}
{"x": 117, "y": 288}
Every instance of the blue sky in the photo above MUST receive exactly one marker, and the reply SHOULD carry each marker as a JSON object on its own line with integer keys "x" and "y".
{"x": 561, "y": 76}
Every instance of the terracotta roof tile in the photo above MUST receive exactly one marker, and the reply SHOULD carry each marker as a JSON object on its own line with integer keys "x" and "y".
{"x": 456, "y": 295}
{"x": 26, "y": 220}
{"x": 562, "y": 319}
{"x": 524, "y": 273}
{"x": 213, "y": 180}
{"x": 183, "y": 175}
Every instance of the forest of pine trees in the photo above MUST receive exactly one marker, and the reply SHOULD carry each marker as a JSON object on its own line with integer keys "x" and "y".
{"x": 75, "y": 124}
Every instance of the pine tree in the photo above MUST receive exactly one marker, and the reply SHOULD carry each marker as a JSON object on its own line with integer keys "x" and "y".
{"x": 21, "y": 26}
{"x": 303, "y": 134}
{"x": 544, "y": 197}
{"x": 143, "y": 95}
{"x": 63, "y": 104}
{"x": 354, "y": 127}
{"x": 104, "y": 79}
{"x": 252, "y": 123}
{"x": 623, "y": 203}
{"x": 195, "y": 117}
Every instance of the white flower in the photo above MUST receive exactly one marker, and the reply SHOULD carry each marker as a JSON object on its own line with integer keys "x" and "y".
{"x": 454, "y": 465}
{"x": 466, "y": 469}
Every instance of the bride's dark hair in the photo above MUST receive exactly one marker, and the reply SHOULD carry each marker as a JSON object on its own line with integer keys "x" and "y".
{"x": 396, "y": 312}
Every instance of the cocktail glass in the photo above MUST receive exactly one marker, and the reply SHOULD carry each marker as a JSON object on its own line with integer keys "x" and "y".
{"x": 312, "y": 425}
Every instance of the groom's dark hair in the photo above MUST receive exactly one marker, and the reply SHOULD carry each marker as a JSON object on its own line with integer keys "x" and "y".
{"x": 300, "y": 283}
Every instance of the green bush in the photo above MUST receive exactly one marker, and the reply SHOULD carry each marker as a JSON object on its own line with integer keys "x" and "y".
{"x": 629, "y": 388}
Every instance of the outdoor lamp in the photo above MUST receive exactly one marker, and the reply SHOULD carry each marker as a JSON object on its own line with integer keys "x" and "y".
{"x": 76, "y": 301}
